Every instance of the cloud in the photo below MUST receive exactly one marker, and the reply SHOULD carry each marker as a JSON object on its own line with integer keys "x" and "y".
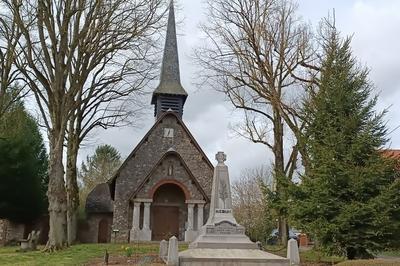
{"x": 376, "y": 43}
{"x": 375, "y": 30}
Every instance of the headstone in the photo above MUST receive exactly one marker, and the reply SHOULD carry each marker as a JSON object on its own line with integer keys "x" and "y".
{"x": 293, "y": 252}
{"x": 173, "y": 257}
{"x": 221, "y": 229}
{"x": 163, "y": 250}
{"x": 34, "y": 240}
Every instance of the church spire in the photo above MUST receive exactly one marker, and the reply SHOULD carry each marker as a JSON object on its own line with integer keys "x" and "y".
{"x": 170, "y": 94}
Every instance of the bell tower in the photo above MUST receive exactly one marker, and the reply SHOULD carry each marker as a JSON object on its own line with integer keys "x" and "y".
{"x": 169, "y": 95}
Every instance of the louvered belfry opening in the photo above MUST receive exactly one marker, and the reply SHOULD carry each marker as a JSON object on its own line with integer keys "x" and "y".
{"x": 169, "y": 103}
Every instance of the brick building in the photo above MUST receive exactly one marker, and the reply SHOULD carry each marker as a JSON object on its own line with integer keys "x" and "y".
{"x": 164, "y": 186}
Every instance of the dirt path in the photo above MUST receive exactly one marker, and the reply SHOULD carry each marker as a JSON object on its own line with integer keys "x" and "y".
{"x": 152, "y": 260}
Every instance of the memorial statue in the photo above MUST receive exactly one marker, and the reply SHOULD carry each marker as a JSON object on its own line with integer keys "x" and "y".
{"x": 222, "y": 229}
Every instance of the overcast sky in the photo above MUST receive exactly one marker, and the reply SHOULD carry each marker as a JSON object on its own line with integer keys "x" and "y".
{"x": 376, "y": 42}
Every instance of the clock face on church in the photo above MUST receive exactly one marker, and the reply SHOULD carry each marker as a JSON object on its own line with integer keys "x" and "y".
{"x": 168, "y": 132}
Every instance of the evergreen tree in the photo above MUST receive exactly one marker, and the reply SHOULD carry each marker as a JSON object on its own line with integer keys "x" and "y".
{"x": 349, "y": 201}
{"x": 23, "y": 166}
{"x": 98, "y": 168}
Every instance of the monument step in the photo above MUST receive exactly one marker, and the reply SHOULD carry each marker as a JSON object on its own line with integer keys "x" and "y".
{"x": 223, "y": 245}
{"x": 223, "y": 242}
{"x": 232, "y": 257}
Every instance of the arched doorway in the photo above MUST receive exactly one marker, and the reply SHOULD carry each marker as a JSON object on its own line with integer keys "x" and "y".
{"x": 102, "y": 236}
{"x": 168, "y": 212}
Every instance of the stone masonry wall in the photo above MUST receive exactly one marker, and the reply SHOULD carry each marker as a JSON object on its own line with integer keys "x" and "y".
{"x": 179, "y": 174}
{"x": 88, "y": 231}
{"x": 10, "y": 232}
{"x": 139, "y": 165}
{"x": 3, "y": 228}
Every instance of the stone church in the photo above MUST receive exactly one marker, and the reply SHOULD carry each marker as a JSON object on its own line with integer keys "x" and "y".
{"x": 164, "y": 186}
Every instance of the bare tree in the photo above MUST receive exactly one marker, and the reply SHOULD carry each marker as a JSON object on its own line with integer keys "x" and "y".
{"x": 259, "y": 54}
{"x": 65, "y": 45}
{"x": 10, "y": 34}
{"x": 248, "y": 202}
{"x": 109, "y": 98}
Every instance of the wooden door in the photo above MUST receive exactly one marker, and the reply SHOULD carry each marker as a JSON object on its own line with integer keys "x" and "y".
{"x": 165, "y": 222}
{"x": 103, "y": 231}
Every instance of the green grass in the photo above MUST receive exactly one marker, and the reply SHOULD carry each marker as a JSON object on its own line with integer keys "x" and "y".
{"x": 390, "y": 253}
{"x": 75, "y": 255}
{"x": 376, "y": 262}
{"x": 84, "y": 253}
{"x": 317, "y": 257}
{"x": 307, "y": 256}
{"x": 386, "y": 258}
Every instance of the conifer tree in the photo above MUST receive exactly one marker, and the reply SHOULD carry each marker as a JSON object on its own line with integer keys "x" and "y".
{"x": 23, "y": 166}
{"x": 349, "y": 200}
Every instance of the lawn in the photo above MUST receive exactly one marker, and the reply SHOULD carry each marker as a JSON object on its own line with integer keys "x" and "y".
{"x": 376, "y": 262}
{"x": 390, "y": 253}
{"x": 75, "y": 255}
{"x": 311, "y": 257}
{"x": 92, "y": 254}
{"x": 308, "y": 256}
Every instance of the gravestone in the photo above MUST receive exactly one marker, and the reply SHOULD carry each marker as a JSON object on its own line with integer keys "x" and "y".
{"x": 163, "y": 252}
{"x": 293, "y": 252}
{"x": 173, "y": 258}
{"x": 222, "y": 241}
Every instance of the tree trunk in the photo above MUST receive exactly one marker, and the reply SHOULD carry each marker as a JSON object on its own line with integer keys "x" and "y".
{"x": 283, "y": 231}
{"x": 72, "y": 188}
{"x": 279, "y": 170}
{"x": 56, "y": 195}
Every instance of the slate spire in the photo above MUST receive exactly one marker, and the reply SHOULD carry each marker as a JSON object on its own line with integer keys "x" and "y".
{"x": 170, "y": 94}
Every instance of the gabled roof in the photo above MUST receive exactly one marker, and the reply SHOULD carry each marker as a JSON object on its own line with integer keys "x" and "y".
{"x": 392, "y": 153}
{"x": 111, "y": 182}
{"x": 170, "y": 152}
{"x": 99, "y": 200}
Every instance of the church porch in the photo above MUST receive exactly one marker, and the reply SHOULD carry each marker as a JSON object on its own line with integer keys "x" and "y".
{"x": 167, "y": 213}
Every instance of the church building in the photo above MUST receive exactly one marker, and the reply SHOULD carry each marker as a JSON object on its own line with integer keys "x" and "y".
{"x": 164, "y": 186}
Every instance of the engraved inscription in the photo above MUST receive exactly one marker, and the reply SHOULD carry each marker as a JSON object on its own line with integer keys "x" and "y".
{"x": 223, "y": 211}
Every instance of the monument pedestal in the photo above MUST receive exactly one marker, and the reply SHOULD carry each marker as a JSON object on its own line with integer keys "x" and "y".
{"x": 222, "y": 241}
{"x": 140, "y": 235}
{"x": 190, "y": 235}
{"x": 223, "y": 235}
